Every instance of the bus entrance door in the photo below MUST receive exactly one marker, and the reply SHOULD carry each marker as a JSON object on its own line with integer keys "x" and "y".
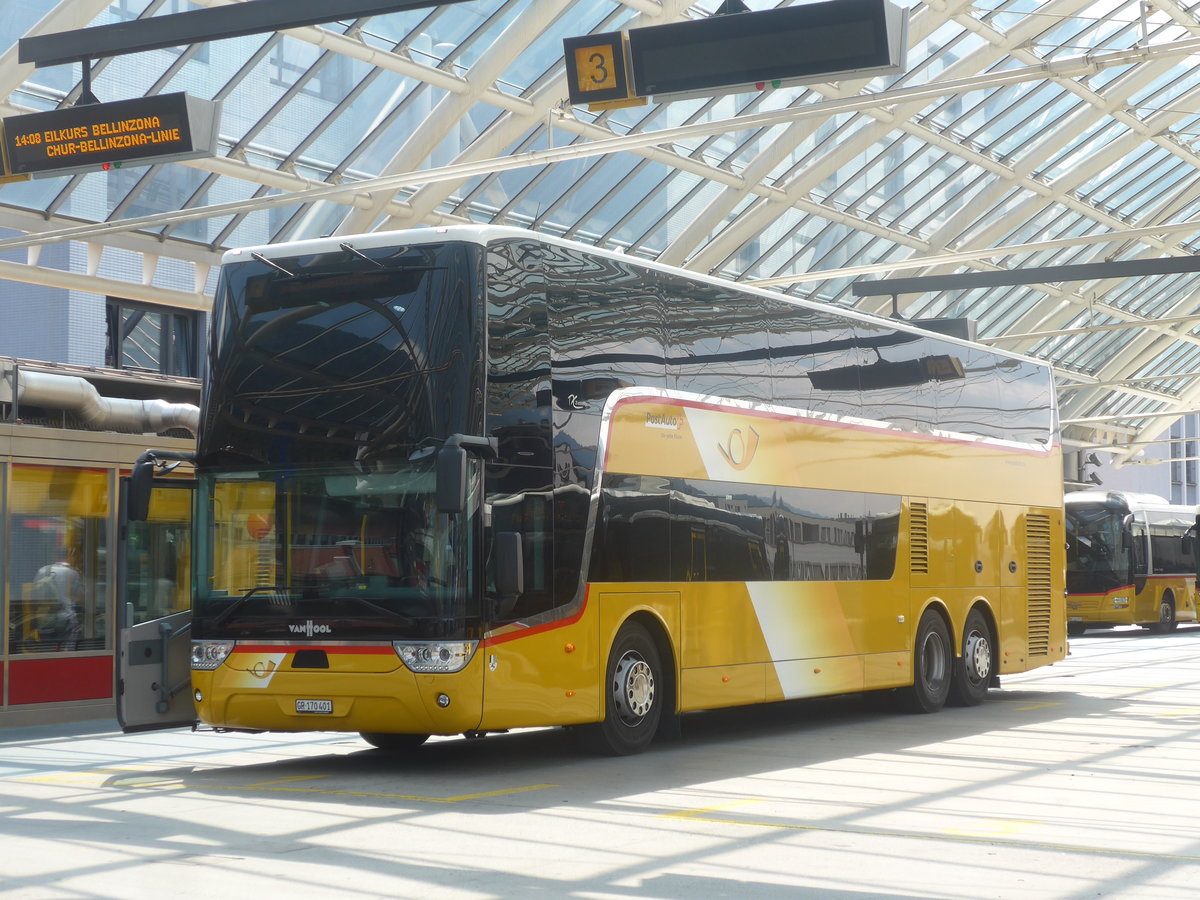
{"x": 154, "y": 569}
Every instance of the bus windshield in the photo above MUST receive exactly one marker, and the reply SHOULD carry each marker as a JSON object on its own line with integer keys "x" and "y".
{"x": 331, "y": 553}
{"x": 1096, "y": 558}
{"x": 342, "y": 357}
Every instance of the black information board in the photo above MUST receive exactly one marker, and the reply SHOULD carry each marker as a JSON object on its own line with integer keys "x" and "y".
{"x": 140, "y": 131}
{"x": 770, "y": 48}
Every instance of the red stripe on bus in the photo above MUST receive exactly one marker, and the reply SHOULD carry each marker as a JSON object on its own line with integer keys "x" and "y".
{"x": 292, "y": 648}
{"x": 539, "y": 629}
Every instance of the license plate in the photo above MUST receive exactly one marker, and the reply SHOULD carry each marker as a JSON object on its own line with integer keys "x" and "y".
{"x": 314, "y": 706}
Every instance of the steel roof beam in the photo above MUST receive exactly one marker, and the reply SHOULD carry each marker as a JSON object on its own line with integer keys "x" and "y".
{"x": 973, "y": 255}
{"x": 965, "y": 281}
{"x": 92, "y": 284}
{"x": 1158, "y": 324}
{"x": 199, "y": 26}
{"x": 635, "y": 141}
{"x": 1167, "y": 376}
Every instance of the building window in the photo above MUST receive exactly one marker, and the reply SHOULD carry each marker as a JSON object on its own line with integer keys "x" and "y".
{"x": 1183, "y": 452}
{"x": 145, "y": 338}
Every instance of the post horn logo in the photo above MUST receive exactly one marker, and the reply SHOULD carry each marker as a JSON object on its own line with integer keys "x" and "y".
{"x": 262, "y": 668}
{"x": 739, "y": 448}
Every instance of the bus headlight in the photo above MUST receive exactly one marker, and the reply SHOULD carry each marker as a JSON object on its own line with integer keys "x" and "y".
{"x": 435, "y": 656}
{"x": 207, "y": 655}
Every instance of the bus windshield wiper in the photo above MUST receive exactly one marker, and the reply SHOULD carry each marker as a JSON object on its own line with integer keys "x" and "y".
{"x": 274, "y": 265}
{"x": 283, "y": 597}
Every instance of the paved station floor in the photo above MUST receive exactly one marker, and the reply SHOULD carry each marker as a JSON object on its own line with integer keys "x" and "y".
{"x": 1077, "y": 781}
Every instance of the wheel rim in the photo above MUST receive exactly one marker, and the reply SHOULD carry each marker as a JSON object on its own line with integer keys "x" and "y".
{"x": 934, "y": 669}
{"x": 1165, "y": 612}
{"x": 633, "y": 688}
{"x": 977, "y": 654}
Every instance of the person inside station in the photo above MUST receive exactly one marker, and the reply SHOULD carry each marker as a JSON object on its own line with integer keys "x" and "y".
{"x": 58, "y": 591}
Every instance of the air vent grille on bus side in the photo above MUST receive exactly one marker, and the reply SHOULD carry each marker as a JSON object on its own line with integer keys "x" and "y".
{"x": 918, "y": 538}
{"x": 1038, "y": 582}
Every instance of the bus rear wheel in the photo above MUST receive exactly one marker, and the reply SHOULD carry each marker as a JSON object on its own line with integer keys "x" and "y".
{"x": 1166, "y": 615}
{"x": 395, "y": 743}
{"x": 634, "y": 692}
{"x": 973, "y": 670}
{"x": 932, "y": 658}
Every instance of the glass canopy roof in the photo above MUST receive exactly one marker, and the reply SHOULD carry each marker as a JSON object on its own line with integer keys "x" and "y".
{"x": 1023, "y": 134}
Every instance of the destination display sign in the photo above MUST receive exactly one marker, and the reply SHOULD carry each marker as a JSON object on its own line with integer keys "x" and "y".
{"x": 141, "y": 131}
{"x": 756, "y": 51}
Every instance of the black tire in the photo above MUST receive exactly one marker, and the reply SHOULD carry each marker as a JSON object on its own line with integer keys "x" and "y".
{"x": 634, "y": 694}
{"x": 932, "y": 667}
{"x": 1076, "y": 629}
{"x": 976, "y": 665}
{"x": 394, "y": 743}
{"x": 1166, "y": 615}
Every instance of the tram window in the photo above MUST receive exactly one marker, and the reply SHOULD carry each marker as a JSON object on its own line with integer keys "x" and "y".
{"x": 58, "y": 559}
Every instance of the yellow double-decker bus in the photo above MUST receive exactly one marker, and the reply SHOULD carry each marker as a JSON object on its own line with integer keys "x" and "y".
{"x": 1131, "y": 560}
{"x": 470, "y": 479}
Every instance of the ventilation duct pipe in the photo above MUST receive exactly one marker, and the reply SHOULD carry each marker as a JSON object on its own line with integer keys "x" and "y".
{"x": 76, "y": 394}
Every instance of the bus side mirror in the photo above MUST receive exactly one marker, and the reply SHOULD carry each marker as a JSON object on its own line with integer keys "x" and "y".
{"x": 137, "y": 494}
{"x": 509, "y": 551}
{"x": 451, "y": 486}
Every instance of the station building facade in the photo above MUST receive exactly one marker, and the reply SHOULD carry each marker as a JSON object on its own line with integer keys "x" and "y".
{"x": 87, "y": 382}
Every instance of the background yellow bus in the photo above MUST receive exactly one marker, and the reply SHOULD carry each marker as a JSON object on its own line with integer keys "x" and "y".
{"x": 1131, "y": 560}
{"x": 470, "y": 479}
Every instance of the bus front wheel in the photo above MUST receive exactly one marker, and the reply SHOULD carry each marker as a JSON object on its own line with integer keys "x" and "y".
{"x": 973, "y": 670}
{"x": 932, "y": 659}
{"x": 634, "y": 692}
{"x": 1166, "y": 615}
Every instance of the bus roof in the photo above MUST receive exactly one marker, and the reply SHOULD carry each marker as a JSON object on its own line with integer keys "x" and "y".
{"x": 1132, "y": 499}
{"x": 487, "y": 234}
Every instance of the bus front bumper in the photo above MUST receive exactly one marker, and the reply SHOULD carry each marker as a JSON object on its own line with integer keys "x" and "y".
{"x": 397, "y": 700}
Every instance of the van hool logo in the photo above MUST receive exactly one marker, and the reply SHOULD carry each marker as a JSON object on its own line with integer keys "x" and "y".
{"x": 739, "y": 448}
{"x": 308, "y": 629}
{"x": 663, "y": 420}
